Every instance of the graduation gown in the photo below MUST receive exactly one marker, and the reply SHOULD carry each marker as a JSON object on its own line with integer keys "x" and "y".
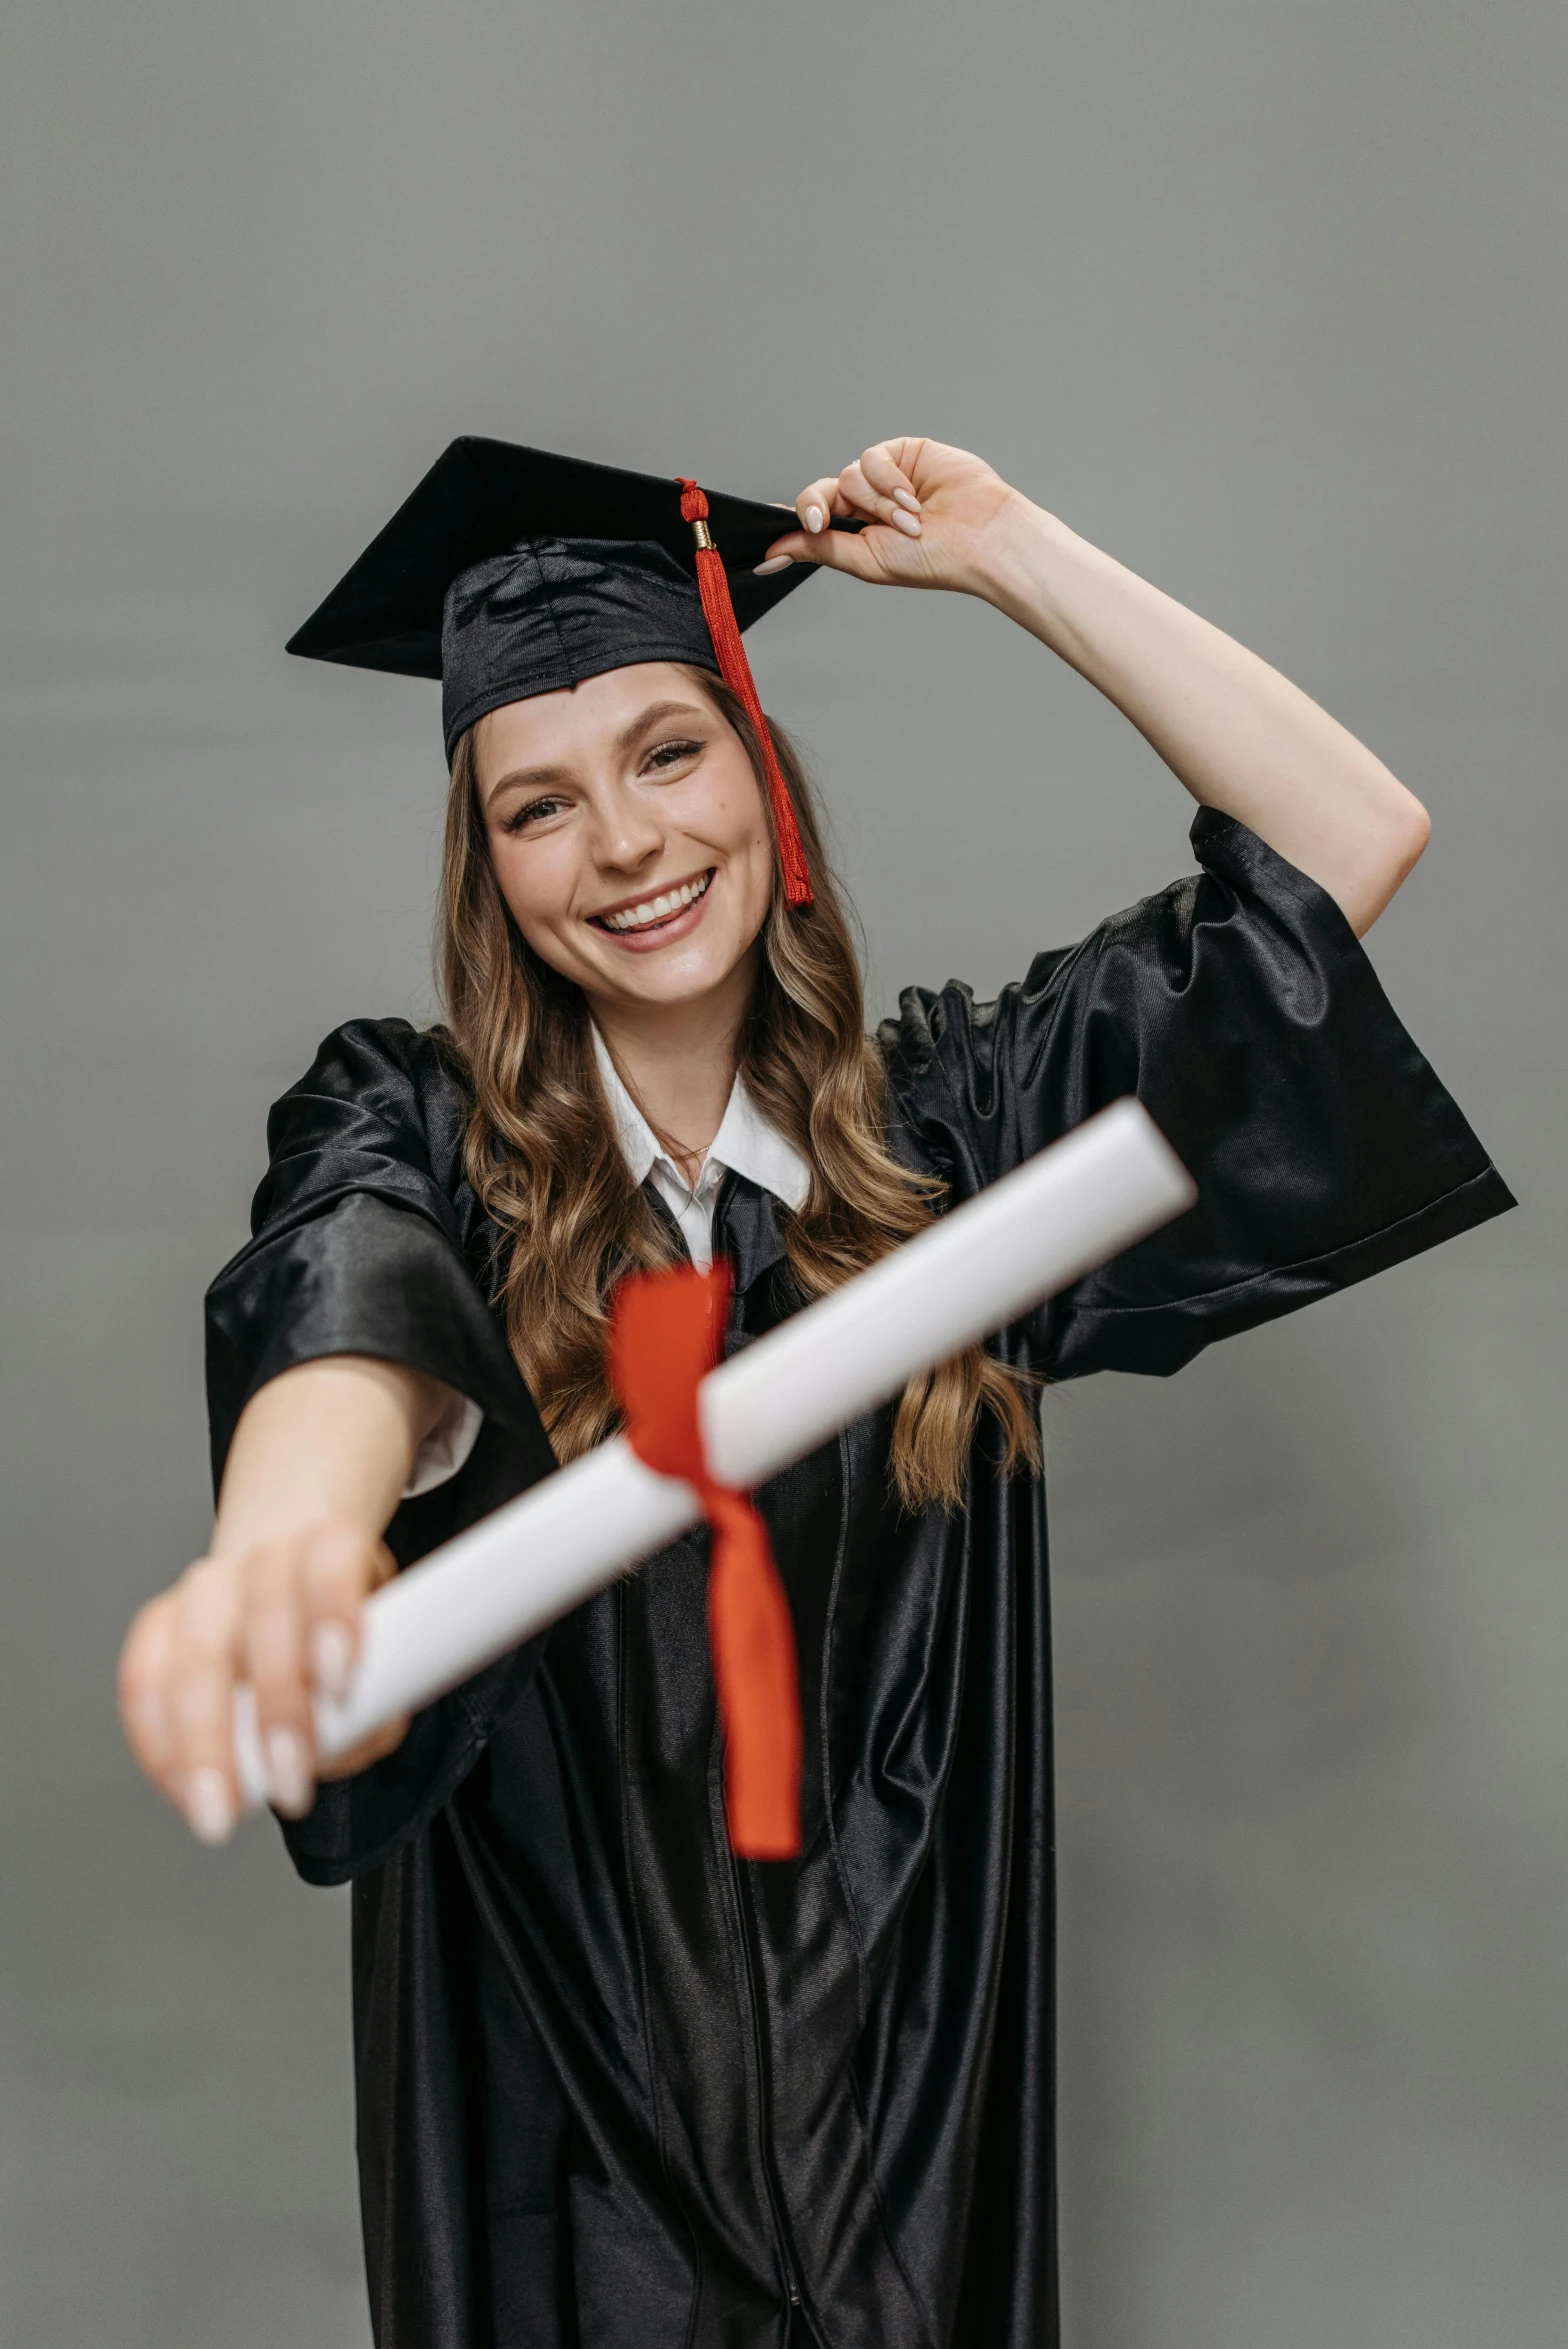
{"x": 615, "y": 2088}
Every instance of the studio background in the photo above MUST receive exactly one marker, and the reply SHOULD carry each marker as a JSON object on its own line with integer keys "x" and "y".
{"x": 1268, "y": 300}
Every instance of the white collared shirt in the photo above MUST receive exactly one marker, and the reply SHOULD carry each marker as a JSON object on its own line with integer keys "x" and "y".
{"x": 745, "y": 1144}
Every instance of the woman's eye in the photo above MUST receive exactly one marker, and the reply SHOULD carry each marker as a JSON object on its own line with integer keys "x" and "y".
{"x": 671, "y": 754}
{"x": 530, "y": 813}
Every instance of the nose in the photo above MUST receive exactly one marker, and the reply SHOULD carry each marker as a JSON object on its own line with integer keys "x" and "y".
{"x": 626, "y": 834}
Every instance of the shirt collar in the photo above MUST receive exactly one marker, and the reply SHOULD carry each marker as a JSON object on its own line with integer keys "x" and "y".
{"x": 746, "y": 1143}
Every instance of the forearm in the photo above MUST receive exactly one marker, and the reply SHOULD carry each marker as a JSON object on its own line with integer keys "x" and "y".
{"x": 332, "y": 1440}
{"x": 320, "y": 1457}
{"x": 1237, "y": 734}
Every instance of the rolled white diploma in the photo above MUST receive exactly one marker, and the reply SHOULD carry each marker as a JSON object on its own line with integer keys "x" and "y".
{"x": 1107, "y": 1184}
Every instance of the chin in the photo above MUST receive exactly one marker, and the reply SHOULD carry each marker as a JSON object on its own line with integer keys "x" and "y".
{"x": 672, "y": 986}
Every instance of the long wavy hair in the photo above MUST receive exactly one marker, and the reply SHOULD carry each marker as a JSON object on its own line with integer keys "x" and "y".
{"x": 542, "y": 1157}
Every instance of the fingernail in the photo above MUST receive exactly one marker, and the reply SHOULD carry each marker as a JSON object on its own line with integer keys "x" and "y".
{"x": 332, "y": 1659}
{"x": 773, "y": 563}
{"x": 902, "y": 497}
{"x": 909, "y": 524}
{"x": 813, "y": 517}
{"x": 289, "y": 1784}
{"x": 208, "y": 1808}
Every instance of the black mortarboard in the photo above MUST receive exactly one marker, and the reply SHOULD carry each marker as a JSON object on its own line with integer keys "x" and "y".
{"x": 510, "y": 573}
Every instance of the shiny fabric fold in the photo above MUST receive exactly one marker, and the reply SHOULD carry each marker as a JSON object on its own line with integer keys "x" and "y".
{"x": 616, "y": 2087}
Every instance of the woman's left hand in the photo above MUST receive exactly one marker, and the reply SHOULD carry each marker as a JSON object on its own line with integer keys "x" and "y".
{"x": 932, "y": 515}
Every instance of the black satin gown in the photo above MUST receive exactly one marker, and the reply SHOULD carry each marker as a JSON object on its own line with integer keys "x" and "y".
{"x": 615, "y": 2089}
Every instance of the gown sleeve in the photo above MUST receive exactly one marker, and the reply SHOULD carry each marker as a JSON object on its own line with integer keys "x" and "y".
{"x": 1240, "y": 1009}
{"x": 366, "y": 1240}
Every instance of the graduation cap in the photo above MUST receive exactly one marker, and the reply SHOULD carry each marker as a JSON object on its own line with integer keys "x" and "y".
{"x": 510, "y": 573}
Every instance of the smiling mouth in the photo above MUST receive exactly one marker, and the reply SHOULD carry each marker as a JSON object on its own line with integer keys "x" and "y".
{"x": 649, "y": 913}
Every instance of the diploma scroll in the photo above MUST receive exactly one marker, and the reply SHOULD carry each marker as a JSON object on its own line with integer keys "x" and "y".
{"x": 1107, "y": 1184}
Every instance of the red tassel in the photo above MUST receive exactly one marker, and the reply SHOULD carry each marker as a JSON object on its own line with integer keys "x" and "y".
{"x": 665, "y": 1332}
{"x": 714, "y": 587}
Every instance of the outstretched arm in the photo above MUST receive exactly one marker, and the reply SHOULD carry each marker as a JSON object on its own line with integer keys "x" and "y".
{"x": 318, "y": 1463}
{"x": 1240, "y": 736}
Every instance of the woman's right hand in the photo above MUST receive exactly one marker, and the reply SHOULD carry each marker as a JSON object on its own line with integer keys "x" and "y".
{"x": 283, "y": 1615}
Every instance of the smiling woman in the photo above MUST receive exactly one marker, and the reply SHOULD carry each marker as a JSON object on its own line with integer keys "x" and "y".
{"x": 569, "y": 816}
{"x": 615, "y": 2085}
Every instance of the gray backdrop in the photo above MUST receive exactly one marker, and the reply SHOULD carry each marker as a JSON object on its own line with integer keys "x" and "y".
{"x": 1267, "y": 299}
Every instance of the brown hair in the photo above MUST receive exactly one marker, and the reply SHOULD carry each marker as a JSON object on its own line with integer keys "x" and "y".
{"x": 542, "y": 1156}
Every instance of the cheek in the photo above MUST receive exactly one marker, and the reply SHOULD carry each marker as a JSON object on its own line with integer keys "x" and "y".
{"x": 537, "y": 878}
{"x": 735, "y": 822}
{"x": 725, "y": 808}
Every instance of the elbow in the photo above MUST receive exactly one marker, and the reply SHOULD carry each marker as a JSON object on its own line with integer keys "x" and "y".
{"x": 1402, "y": 837}
{"x": 1410, "y": 830}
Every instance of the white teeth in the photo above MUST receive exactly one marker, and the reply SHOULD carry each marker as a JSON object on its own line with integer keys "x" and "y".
{"x": 657, "y": 909}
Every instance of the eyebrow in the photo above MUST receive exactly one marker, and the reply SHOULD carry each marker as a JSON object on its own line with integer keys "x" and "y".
{"x": 534, "y": 778}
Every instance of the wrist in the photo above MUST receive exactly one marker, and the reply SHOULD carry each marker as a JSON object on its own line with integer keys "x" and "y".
{"x": 1011, "y": 553}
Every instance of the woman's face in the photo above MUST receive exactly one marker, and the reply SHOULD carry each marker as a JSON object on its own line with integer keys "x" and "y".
{"x": 628, "y": 835}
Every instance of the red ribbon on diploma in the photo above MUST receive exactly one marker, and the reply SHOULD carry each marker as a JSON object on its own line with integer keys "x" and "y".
{"x": 666, "y": 1333}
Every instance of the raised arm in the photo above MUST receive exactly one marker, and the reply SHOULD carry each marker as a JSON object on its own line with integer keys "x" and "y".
{"x": 319, "y": 1460}
{"x": 1240, "y": 736}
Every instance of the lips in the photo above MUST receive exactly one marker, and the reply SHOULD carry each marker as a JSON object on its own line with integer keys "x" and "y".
{"x": 655, "y": 910}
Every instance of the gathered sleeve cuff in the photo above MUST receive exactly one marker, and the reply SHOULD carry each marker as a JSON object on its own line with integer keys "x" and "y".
{"x": 362, "y": 1276}
{"x": 1240, "y": 1008}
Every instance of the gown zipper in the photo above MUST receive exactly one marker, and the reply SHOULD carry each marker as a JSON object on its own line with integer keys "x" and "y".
{"x": 781, "y": 2244}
